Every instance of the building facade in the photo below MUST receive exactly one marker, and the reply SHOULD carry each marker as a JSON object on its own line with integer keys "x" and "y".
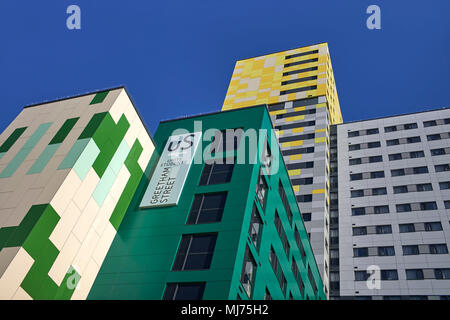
{"x": 299, "y": 87}
{"x": 229, "y": 229}
{"x": 68, "y": 170}
{"x": 394, "y": 207}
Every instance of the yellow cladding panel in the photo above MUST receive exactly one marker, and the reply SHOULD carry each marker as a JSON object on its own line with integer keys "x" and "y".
{"x": 295, "y": 172}
{"x": 274, "y": 113}
{"x": 320, "y": 140}
{"x": 320, "y": 130}
{"x": 297, "y": 130}
{"x": 292, "y": 144}
{"x": 318, "y": 191}
{"x": 296, "y": 188}
{"x": 290, "y": 119}
{"x": 295, "y": 157}
{"x": 299, "y": 108}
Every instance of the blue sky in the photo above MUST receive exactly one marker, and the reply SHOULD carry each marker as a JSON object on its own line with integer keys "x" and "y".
{"x": 176, "y": 57}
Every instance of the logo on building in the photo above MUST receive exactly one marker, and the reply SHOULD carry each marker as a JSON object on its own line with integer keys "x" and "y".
{"x": 171, "y": 171}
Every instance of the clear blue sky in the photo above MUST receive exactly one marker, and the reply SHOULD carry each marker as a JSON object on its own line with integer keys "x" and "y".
{"x": 176, "y": 57}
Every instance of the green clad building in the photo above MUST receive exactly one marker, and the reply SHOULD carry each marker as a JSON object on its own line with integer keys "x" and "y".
{"x": 214, "y": 217}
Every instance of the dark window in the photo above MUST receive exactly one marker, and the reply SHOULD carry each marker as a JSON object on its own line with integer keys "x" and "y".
{"x": 217, "y": 173}
{"x": 353, "y": 134}
{"x": 447, "y": 204}
{"x": 372, "y": 131}
{"x": 359, "y": 231}
{"x": 281, "y": 233}
{"x": 416, "y": 154}
{"x": 444, "y": 185}
{"x": 262, "y": 190}
{"x": 299, "y": 71}
{"x": 302, "y": 181}
{"x": 298, "y": 151}
{"x": 438, "y": 248}
{"x": 299, "y": 80}
{"x": 389, "y": 275}
{"x": 390, "y": 129}
{"x": 414, "y": 274}
{"x": 433, "y": 226}
{"x": 392, "y": 142}
{"x": 356, "y": 176}
{"x": 442, "y": 167}
{"x": 424, "y": 187}
{"x": 442, "y": 273}
{"x": 285, "y": 201}
{"x": 375, "y": 144}
{"x": 304, "y": 198}
{"x": 428, "y": 206}
{"x": 299, "y": 242}
{"x": 298, "y": 90}
{"x": 405, "y": 207}
{"x": 300, "y": 62}
{"x": 195, "y": 252}
{"x": 248, "y": 272}
{"x": 381, "y": 209}
{"x": 354, "y": 147}
{"x": 312, "y": 280}
{"x": 276, "y": 267}
{"x": 395, "y": 156}
{"x": 306, "y": 216}
{"x": 296, "y": 125}
{"x": 410, "y": 126}
{"x": 358, "y": 211}
{"x": 207, "y": 207}
{"x": 300, "y": 165}
{"x": 397, "y": 172}
{"x": 437, "y": 152}
{"x": 377, "y": 174}
{"x": 410, "y": 250}
{"x": 357, "y": 193}
{"x": 361, "y": 275}
{"x": 412, "y": 139}
{"x": 400, "y": 189}
{"x": 379, "y": 191}
{"x": 433, "y": 137}
{"x": 301, "y": 54}
{"x": 384, "y": 229}
{"x": 360, "y": 252}
{"x": 184, "y": 291}
{"x": 406, "y": 227}
{"x": 386, "y": 251}
{"x": 420, "y": 170}
{"x": 431, "y": 123}
{"x": 375, "y": 159}
{"x": 255, "y": 227}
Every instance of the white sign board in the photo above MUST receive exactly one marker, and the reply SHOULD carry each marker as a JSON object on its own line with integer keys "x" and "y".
{"x": 172, "y": 169}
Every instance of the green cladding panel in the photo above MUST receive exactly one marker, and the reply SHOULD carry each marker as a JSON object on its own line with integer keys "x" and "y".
{"x": 140, "y": 261}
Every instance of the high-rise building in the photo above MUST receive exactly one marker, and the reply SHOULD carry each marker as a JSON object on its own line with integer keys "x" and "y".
{"x": 299, "y": 87}
{"x": 68, "y": 171}
{"x": 214, "y": 217}
{"x": 393, "y": 208}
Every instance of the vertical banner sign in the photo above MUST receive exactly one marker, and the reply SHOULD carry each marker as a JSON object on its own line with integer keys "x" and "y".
{"x": 172, "y": 169}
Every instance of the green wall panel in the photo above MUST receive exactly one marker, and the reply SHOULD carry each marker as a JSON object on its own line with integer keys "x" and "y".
{"x": 12, "y": 139}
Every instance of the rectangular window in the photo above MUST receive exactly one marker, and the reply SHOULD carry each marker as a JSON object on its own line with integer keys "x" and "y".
{"x": 354, "y": 147}
{"x": 304, "y": 198}
{"x": 389, "y": 275}
{"x": 359, "y": 231}
{"x": 217, "y": 172}
{"x": 400, "y": 189}
{"x": 390, "y": 129}
{"x": 397, "y": 172}
{"x": 395, "y": 156}
{"x": 361, "y": 275}
{"x": 447, "y": 204}
{"x": 207, "y": 208}
{"x": 416, "y": 154}
{"x": 374, "y": 159}
{"x": 384, "y": 229}
{"x": 420, "y": 170}
{"x": 410, "y": 126}
{"x": 285, "y": 201}
{"x": 381, "y": 209}
{"x": 296, "y": 55}
{"x": 434, "y": 137}
{"x": 358, "y": 211}
{"x": 356, "y": 176}
{"x": 306, "y": 216}
{"x": 360, "y": 252}
{"x": 377, "y": 174}
{"x": 300, "y": 246}
{"x": 375, "y": 144}
{"x": 184, "y": 291}
{"x": 410, "y": 250}
{"x": 379, "y": 191}
{"x": 437, "y": 152}
{"x": 425, "y": 206}
{"x": 431, "y": 123}
{"x": 255, "y": 227}
{"x": 354, "y": 162}
{"x": 393, "y": 142}
{"x": 440, "y": 248}
{"x": 406, "y": 227}
{"x": 405, "y": 207}
{"x": 195, "y": 252}
{"x": 414, "y": 274}
{"x": 302, "y": 89}
{"x": 444, "y": 185}
{"x": 442, "y": 273}
{"x": 423, "y": 187}
{"x": 262, "y": 190}
{"x": 433, "y": 226}
{"x": 248, "y": 272}
{"x": 442, "y": 167}
{"x": 386, "y": 251}
{"x": 357, "y": 193}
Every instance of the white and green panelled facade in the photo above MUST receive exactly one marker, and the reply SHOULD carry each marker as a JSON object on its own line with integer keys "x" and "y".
{"x": 68, "y": 171}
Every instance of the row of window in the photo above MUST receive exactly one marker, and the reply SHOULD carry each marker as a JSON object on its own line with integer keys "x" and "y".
{"x": 421, "y": 187}
{"x": 398, "y": 172}
{"x": 403, "y": 228}
{"x": 404, "y": 207}
{"x": 408, "y": 250}
{"x": 411, "y": 274}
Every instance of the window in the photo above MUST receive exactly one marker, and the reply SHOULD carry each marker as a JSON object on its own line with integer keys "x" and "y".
{"x": 437, "y": 152}
{"x": 300, "y": 246}
{"x": 406, "y": 227}
{"x": 281, "y": 233}
{"x": 384, "y": 229}
{"x": 442, "y": 273}
{"x": 433, "y": 137}
{"x": 216, "y": 173}
{"x": 410, "y": 126}
{"x": 195, "y": 252}
{"x": 431, "y": 123}
{"x": 184, "y": 291}
{"x": 389, "y": 275}
{"x": 372, "y": 131}
{"x": 400, "y": 189}
{"x": 447, "y": 204}
{"x": 285, "y": 201}
{"x": 360, "y": 252}
{"x": 353, "y": 134}
{"x": 444, "y": 185}
{"x": 277, "y": 270}
{"x": 377, "y": 174}
{"x": 393, "y": 142}
{"x": 375, "y": 159}
{"x": 375, "y": 144}
{"x": 428, "y": 206}
{"x": 438, "y": 248}
{"x": 353, "y": 162}
{"x": 433, "y": 226}
{"x": 379, "y": 191}
{"x": 207, "y": 208}
{"x": 298, "y": 276}
{"x": 414, "y": 274}
{"x": 356, "y": 176}
{"x": 397, "y": 172}
{"x": 420, "y": 170}
{"x": 416, "y": 154}
{"x": 381, "y": 209}
{"x": 424, "y": 187}
{"x": 410, "y": 250}
{"x": 390, "y": 129}
{"x": 395, "y": 156}
{"x": 442, "y": 167}
{"x": 405, "y": 207}
{"x": 255, "y": 227}
{"x": 358, "y": 211}
{"x": 304, "y": 198}
{"x": 357, "y": 193}
{"x": 262, "y": 190}
{"x": 312, "y": 280}
{"x": 354, "y": 147}
{"x": 248, "y": 272}
{"x": 359, "y": 231}
{"x": 306, "y": 216}
{"x": 386, "y": 251}
{"x": 361, "y": 275}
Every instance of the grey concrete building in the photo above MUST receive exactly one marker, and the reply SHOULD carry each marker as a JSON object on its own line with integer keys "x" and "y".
{"x": 390, "y": 207}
